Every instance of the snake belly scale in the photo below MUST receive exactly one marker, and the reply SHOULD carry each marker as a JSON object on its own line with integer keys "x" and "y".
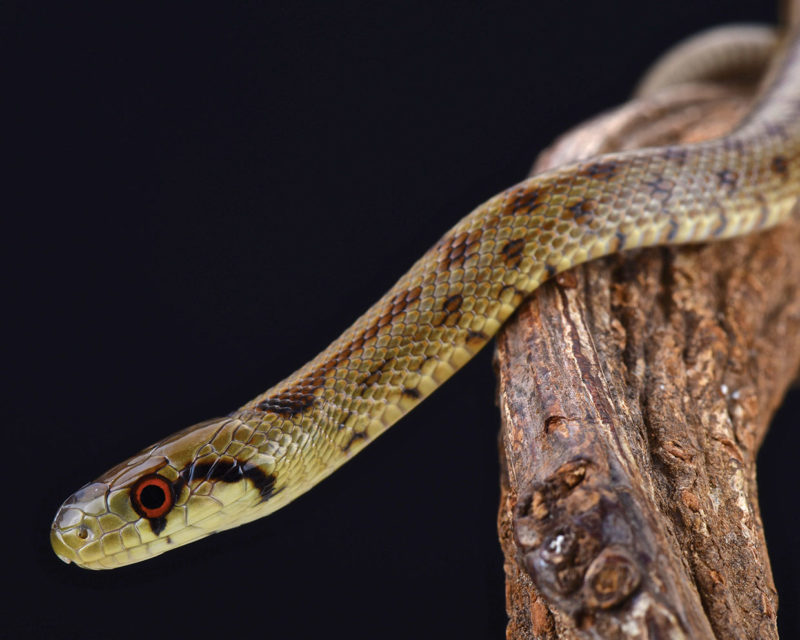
{"x": 228, "y": 471}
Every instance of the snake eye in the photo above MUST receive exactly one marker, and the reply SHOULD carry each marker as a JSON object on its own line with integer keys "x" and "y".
{"x": 152, "y": 496}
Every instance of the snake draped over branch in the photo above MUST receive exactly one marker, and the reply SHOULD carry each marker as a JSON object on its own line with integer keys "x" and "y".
{"x": 230, "y": 470}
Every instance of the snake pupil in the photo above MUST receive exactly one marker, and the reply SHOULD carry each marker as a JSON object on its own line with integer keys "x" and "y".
{"x": 152, "y": 497}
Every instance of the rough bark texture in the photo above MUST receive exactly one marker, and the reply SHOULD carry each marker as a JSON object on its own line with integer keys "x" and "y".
{"x": 635, "y": 392}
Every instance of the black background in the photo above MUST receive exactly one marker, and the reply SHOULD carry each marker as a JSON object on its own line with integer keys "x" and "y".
{"x": 209, "y": 196}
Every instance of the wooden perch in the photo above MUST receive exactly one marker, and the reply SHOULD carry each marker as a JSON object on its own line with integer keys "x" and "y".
{"x": 635, "y": 392}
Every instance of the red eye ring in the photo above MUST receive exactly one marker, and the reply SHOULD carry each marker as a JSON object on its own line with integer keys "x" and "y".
{"x": 152, "y": 496}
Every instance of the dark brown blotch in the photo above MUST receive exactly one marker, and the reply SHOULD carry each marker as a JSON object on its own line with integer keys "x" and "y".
{"x": 412, "y": 393}
{"x": 450, "y": 311}
{"x": 374, "y": 374}
{"x": 677, "y": 155}
{"x": 290, "y": 402}
{"x": 582, "y": 211}
{"x": 604, "y": 171}
{"x": 397, "y": 305}
{"x": 476, "y": 337}
{"x": 780, "y": 165}
{"x": 453, "y": 250}
{"x": 512, "y": 252}
{"x": 660, "y": 189}
{"x": 453, "y": 303}
{"x": 524, "y": 200}
{"x": 728, "y": 178}
{"x": 402, "y": 300}
{"x": 370, "y": 333}
{"x": 353, "y": 439}
{"x": 384, "y": 319}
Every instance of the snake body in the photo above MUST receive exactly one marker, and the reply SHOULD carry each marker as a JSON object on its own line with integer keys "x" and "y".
{"x": 231, "y": 470}
{"x": 732, "y": 54}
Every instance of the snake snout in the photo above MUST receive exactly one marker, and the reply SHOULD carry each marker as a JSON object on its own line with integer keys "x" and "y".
{"x": 76, "y": 529}
{"x": 64, "y": 552}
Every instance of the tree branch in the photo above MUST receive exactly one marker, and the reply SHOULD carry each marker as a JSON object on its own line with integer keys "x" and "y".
{"x": 635, "y": 392}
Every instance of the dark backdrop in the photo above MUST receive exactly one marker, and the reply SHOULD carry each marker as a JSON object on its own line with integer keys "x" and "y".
{"x": 209, "y": 195}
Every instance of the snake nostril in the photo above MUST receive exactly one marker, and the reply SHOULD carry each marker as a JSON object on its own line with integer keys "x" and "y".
{"x": 82, "y": 533}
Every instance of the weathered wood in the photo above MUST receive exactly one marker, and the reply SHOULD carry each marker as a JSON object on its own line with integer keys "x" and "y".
{"x": 635, "y": 392}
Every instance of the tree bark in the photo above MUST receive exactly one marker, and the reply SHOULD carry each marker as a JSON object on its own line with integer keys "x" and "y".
{"x": 635, "y": 392}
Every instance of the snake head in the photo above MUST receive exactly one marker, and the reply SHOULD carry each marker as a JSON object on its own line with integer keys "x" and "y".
{"x": 198, "y": 481}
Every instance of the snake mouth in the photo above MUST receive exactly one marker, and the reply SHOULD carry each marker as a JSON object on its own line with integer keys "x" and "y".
{"x": 61, "y": 548}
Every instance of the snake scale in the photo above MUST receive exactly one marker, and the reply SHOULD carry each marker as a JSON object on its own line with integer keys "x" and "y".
{"x": 224, "y": 472}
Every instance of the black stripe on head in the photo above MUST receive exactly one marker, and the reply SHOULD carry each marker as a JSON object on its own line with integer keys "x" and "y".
{"x": 231, "y": 470}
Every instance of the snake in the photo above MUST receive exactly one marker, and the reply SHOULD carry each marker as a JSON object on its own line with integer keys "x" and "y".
{"x": 230, "y": 470}
{"x": 730, "y": 54}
